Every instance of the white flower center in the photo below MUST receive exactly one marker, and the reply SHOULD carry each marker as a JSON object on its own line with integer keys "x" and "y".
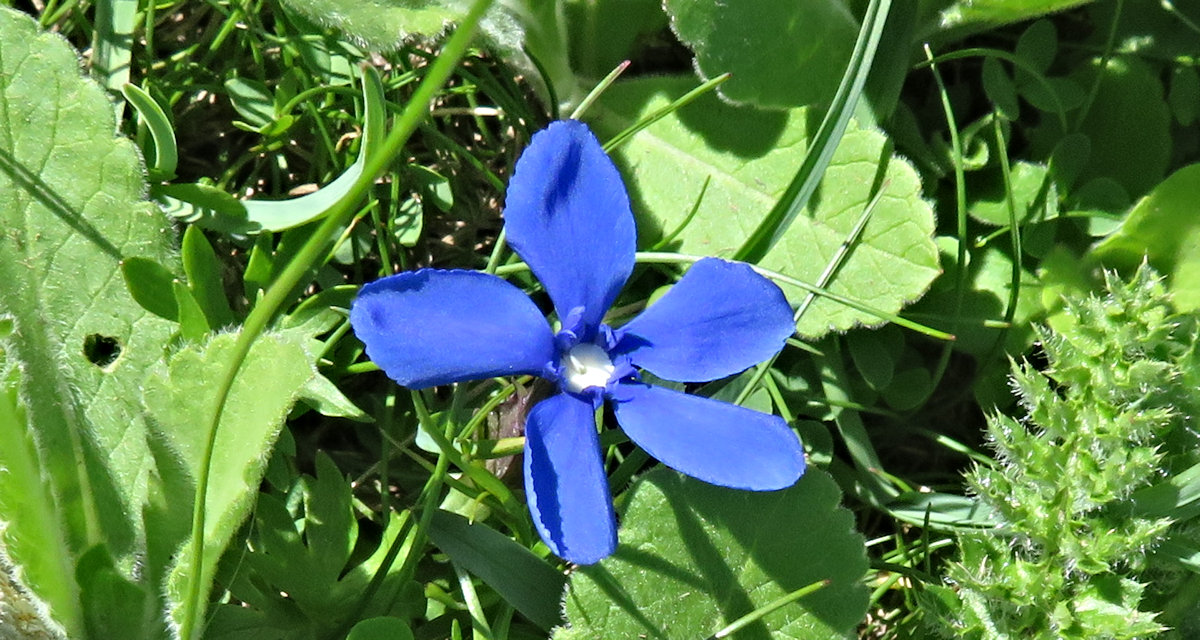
{"x": 586, "y": 365}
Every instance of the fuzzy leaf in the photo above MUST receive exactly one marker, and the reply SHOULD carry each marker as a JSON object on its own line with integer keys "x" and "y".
{"x": 751, "y": 156}
{"x": 694, "y": 557}
{"x": 72, "y": 206}
{"x": 807, "y": 46}
{"x": 178, "y": 396}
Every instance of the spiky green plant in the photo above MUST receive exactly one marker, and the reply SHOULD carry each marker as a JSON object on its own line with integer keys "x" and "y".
{"x": 1086, "y": 488}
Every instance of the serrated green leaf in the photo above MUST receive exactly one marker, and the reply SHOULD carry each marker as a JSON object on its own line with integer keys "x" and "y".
{"x": 71, "y": 207}
{"x": 781, "y": 54}
{"x": 264, "y": 390}
{"x": 750, "y": 156}
{"x": 693, "y": 558}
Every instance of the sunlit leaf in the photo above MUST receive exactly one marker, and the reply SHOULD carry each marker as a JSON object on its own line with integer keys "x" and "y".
{"x": 694, "y": 558}
{"x": 176, "y": 395}
{"x": 750, "y": 157}
{"x": 72, "y": 206}
{"x": 781, "y": 54}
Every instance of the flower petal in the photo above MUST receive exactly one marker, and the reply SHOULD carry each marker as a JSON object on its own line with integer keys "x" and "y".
{"x": 432, "y": 326}
{"x": 713, "y": 441}
{"x": 719, "y": 319}
{"x": 565, "y": 482}
{"x": 567, "y": 214}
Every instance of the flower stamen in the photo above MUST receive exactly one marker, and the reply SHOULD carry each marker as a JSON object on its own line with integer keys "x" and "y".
{"x": 585, "y": 366}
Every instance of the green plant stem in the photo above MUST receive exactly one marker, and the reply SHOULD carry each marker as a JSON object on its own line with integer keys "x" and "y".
{"x": 282, "y": 289}
{"x": 960, "y": 207}
{"x": 759, "y": 613}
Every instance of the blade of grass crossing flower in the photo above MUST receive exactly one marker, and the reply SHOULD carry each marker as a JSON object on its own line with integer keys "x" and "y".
{"x": 683, "y": 100}
{"x": 835, "y": 263}
{"x": 667, "y": 239}
{"x": 654, "y": 257}
{"x": 612, "y": 76}
{"x": 280, "y": 291}
{"x": 166, "y": 154}
{"x": 833, "y": 126}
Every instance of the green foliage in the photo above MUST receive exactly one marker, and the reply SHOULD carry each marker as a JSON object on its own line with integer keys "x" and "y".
{"x": 1070, "y": 557}
{"x": 807, "y": 49}
{"x": 1162, "y": 228}
{"x": 82, "y": 344}
{"x": 749, "y": 156}
{"x": 694, "y": 558}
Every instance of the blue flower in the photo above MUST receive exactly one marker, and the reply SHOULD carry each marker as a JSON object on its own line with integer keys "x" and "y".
{"x": 568, "y": 216}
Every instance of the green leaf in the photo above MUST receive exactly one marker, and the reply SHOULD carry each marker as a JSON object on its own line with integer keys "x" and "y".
{"x": 203, "y": 272}
{"x": 193, "y": 325}
{"x": 71, "y": 207}
{"x": 150, "y": 285}
{"x": 1000, "y": 89}
{"x": 380, "y": 25}
{"x": 979, "y": 14}
{"x": 252, "y": 100}
{"x": 781, "y": 54}
{"x": 204, "y": 205}
{"x": 694, "y": 557}
{"x": 1163, "y": 228}
{"x": 166, "y": 153}
{"x": 381, "y": 628}
{"x": 527, "y": 582}
{"x": 264, "y": 390}
{"x": 1129, "y": 91}
{"x": 751, "y": 156}
{"x": 29, "y": 526}
{"x": 1184, "y": 95}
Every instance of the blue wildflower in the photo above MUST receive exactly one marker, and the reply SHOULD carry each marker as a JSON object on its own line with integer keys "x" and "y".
{"x": 568, "y": 216}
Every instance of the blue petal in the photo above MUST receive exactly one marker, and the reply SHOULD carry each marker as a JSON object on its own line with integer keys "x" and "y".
{"x": 565, "y": 482}
{"x": 716, "y": 442}
{"x": 719, "y": 319}
{"x": 568, "y": 216}
{"x": 431, "y": 327}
